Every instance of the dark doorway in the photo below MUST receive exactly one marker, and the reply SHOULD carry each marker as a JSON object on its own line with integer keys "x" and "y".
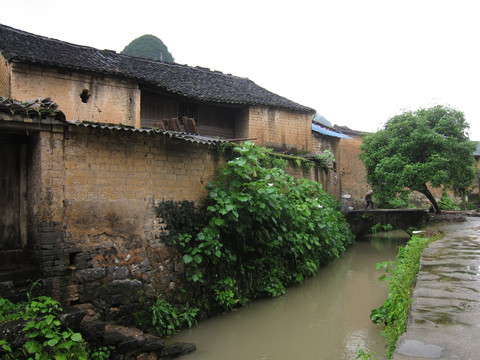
{"x": 13, "y": 150}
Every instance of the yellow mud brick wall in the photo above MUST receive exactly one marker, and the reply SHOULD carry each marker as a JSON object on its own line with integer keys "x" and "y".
{"x": 111, "y": 100}
{"x": 46, "y": 176}
{"x": 114, "y": 180}
{"x": 280, "y": 129}
{"x": 352, "y": 171}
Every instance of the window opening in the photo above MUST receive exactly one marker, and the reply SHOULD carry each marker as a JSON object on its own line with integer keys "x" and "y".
{"x": 187, "y": 110}
{"x": 85, "y": 95}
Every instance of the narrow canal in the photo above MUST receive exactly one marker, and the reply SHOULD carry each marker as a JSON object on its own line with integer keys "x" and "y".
{"x": 325, "y": 318}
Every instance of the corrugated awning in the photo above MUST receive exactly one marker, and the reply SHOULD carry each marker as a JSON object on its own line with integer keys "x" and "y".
{"x": 173, "y": 134}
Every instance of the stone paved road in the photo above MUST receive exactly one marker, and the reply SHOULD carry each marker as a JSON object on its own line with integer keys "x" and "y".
{"x": 445, "y": 313}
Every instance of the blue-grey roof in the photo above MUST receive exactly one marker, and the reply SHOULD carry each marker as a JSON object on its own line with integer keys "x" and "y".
{"x": 477, "y": 152}
{"x": 324, "y": 131}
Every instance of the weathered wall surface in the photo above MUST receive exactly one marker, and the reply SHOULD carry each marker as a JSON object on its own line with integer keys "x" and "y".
{"x": 280, "y": 129}
{"x": 320, "y": 143}
{"x": 352, "y": 172}
{"x": 92, "y": 195}
{"x": 110, "y": 100}
{"x": 328, "y": 178}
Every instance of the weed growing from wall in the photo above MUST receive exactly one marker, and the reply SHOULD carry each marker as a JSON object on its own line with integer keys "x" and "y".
{"x": 167, "y": 319}
{"x": 326, "y": 159}
{"x": 264, "y": 231}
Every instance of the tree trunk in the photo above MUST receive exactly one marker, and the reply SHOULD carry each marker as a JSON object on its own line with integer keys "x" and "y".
{"x": 430, "y": 197}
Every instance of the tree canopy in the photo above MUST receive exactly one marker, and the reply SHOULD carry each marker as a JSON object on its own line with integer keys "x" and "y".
{"x": 415, "y": 150}
{"x": 148, "y": 47}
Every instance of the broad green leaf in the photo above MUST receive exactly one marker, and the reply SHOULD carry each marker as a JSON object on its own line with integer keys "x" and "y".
{"x": 52, "y": 342}
{"x": 219, "y": 222}
{"x": 76, "y": 337}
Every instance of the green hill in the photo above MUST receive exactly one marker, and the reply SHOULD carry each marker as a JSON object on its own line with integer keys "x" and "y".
{"x": 148, "y": 47}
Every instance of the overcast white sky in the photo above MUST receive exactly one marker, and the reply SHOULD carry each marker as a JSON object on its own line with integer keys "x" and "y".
{"x": 356, "y": 62}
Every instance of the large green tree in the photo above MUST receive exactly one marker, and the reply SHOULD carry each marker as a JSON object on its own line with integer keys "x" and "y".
{"x": 148, "y": 47}
{"x": 415, "y": 150}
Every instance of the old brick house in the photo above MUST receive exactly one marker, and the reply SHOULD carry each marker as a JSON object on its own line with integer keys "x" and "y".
{"x": 79, "y": 185}
{"x": 103, "y": 86}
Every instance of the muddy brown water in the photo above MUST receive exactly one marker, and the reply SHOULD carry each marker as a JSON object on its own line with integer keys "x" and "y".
{"x": 326, "y": 317}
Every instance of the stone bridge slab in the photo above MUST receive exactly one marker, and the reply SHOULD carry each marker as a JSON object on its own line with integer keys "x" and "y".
{"x": 361, "y": 221}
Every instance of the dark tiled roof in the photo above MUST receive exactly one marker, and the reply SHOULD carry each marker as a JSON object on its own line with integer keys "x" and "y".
{"x": 38, "y": 108}
{"x": 192, "y": 82}
{"x": 348, "y": 131}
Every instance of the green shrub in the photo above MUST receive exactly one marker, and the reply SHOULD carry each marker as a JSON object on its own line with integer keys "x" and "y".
{"x": 264, "y": 231}
{"x": 364, "y": 354}
{"x": 6, "y": 352}
{"x": 102, "y": 353}
{"x": 10, "y": 311}
{"x": 381, "y": 227}
{"x": 168, "y": 320}
{"x": 387, "y": 200}
{"x": 46, "y": 339}
{"x": 446, "y": 203}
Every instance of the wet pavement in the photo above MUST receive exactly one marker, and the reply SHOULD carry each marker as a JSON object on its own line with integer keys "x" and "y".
{"x": 444, "y": 318}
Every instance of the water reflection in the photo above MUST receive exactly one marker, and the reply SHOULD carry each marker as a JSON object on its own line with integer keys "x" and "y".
{"x": 327, "y": 317}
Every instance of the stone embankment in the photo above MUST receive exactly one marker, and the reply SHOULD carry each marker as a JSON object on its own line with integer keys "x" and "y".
{"x": 444, "y": 320}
